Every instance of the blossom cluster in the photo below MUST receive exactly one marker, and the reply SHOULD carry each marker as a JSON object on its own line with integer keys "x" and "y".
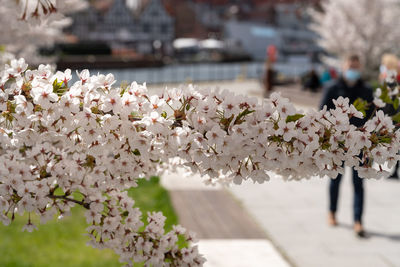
{"x": 85, "y": 143}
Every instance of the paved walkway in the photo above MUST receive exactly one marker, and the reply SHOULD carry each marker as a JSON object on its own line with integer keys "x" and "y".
{"x": 229, "y": 236}
{"x": 214, "y": 214}
{"x": 240, "y": 253}
{"x": 294, "y": 216}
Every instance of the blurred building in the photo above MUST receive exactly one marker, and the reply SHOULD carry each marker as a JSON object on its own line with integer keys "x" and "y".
{"x": 253, "y": 37}
{"x": 187, "y": 21}
{"x": 142, "y": 26}
{"x": 147, "y": 26}
{"x": 284, "y": 24}
{"x": 252, "y": 24}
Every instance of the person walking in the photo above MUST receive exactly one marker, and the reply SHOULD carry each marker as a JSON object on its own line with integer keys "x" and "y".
{"x": 325, "y": 77}
{"x": 312, "y": 81}
{"x": 351, "y": 85}
{"x": 269, "y": 72}
{"x": 268, "y": 79}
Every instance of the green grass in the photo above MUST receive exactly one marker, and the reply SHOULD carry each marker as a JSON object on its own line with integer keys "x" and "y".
{"x": 63, "y": 243}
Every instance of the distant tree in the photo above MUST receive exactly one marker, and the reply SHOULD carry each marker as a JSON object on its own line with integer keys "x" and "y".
{"x": 367, "y": 27}
{"x": 28, "y": 24}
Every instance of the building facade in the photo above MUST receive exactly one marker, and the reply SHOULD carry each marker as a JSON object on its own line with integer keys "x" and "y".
{"x": 115, "y": 23}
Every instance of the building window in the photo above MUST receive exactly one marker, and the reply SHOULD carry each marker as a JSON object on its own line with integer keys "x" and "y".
{"x": 146, "y": 27}
{"x": 164, "y": 28}
{"x": 91, "y": 26}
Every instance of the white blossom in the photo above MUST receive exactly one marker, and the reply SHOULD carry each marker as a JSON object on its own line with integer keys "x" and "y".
{"x": 94, "y": 141}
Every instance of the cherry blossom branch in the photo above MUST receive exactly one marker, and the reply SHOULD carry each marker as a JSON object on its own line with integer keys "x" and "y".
{"x": 97, "y": 139}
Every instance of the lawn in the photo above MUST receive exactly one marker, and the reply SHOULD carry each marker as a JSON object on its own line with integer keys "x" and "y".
{"x": 63, "y": 243}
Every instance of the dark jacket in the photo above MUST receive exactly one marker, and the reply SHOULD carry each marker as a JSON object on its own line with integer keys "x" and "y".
{"x": 339, "y": 87}
{"x": 313, "y": 82}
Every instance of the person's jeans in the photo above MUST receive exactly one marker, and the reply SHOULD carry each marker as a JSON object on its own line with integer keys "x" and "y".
{"x": 358, "y": 195}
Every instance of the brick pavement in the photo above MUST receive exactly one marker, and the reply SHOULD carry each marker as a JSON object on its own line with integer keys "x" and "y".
{"x": 229, "y": 236}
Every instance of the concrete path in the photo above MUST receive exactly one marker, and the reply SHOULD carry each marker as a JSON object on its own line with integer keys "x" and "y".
{"x": 294, "y": 215}
{"x": 240, "y": 253}
{"x": 229, "y": 236}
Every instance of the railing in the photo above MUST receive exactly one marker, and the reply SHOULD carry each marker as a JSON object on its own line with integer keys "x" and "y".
{"x": 203, "y": 72}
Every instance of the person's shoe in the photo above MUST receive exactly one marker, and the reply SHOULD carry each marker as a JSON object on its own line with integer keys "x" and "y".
{"x": 394, "y": 175}
{"x": 332, "y": 219}
{"x": 361, "y": 234}
{"x": 359, "y": 231}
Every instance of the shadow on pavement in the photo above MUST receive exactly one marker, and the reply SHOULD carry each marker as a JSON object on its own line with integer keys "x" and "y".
{"x": 372, "y": 233}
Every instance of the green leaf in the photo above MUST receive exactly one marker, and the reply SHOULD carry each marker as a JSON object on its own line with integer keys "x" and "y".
{"x": 396, "y": 117}
{"x": 361, "y": 105}
{"x": 276, "y": 139}
{"x": 125, "y": 213}
{"x": 385, "y": 95}
{"x": 164, "y": 114}
{"x": 244, "y": 113}
{"x": 294, "y": 117}
{"x": 124, "y": 86}
{"x": 385, "y": 139}
{"x": 396, "y": 103}
{"x": 56, "y": 85}
{"x": 325, "y": 146}
{"x": 11, "y": 106}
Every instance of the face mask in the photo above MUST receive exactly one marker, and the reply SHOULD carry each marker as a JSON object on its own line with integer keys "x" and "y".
{"x": 352, "y": 75}
{"x": 382, "y": 69}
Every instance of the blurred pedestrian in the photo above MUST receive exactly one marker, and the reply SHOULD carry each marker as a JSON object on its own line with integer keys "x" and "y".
{"x": 325, "y": 77}
{"x": 312, "y": 82}
{"x": 268, "y": 78}
{"x": 389, "y": 65}
{"x": 269, "y": 75}
{"x": 351, "y": 85}
{"x": 390, "y": 68}
{"x": 333, "y": 73}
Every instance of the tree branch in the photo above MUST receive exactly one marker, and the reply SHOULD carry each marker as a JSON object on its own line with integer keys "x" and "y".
{"x": 64, "y": 197}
